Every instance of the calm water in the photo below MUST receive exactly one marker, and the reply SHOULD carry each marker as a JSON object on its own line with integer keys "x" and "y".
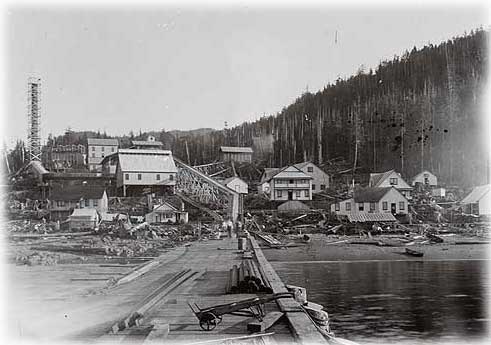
{"x": 398, "y": 301}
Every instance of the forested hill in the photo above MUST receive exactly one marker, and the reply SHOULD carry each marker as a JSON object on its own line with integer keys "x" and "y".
{"x": 420, "y": 110}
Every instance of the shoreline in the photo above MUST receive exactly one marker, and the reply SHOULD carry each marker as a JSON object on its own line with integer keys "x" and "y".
{"x": 335, "y": 249}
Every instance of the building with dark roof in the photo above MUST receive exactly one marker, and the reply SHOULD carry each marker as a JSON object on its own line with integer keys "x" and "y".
{"x": 236, "y": 154}
{"x": 373, "y": 200}
{"x": 62, "y": 200}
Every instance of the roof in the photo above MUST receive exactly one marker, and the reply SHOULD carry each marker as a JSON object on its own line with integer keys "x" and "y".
{"x": 72, "y": 193}
{"x": 377, "y": 178}
{"x": 102, "y": 142}
{"x": 84, "y": 213}
{"x": 233, "y": 149}
{"x": 230, "y": 179}
{"x": 146, "y": 143}
{"x": 38, "y": 167}
{"x": 291, "y": 172}
{"x": 301, "y": 165}
{"x": 370, "y": 194}
{"x": 371, "y": 217}
{"x": 164, "y": 207}
{"x": 146, "y": 161}
{"x": 476, "y": 194}
{"x": 293, "y": 205}
{"x": 268, "y": 174}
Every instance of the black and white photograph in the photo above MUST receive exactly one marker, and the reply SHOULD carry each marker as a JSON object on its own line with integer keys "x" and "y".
{"x": 245, "y": 173}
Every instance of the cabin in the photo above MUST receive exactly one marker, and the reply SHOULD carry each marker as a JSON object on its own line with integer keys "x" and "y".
{"x": 425, "y": 178}
{"x": 143, "y": 171}
{"x": 478, "y": 201}
{"x": 290, "y": 183}
{"x": 320, "y": 180}
{"x": 166, "y": 213}
{"x": 63, "y": 200}
{"x": 391, "y": 178}
{"x": 236, "y": 154}
{"x": 236, "y": 184}
{"x": 373, "y": 200}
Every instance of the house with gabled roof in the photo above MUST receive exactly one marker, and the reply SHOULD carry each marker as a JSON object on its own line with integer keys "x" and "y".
{"x": 62, "y": 200}
{"x": 320, "y": 180}
{"x": 166, "y": 212}
{"x": 373, "y": 200}
{"x": 236, "y": 154}
{"x": 236, "y": 184}
{"x": 425, "y": 178}
{"x": 391, "y": 178}
{"x": 288, "y": 183}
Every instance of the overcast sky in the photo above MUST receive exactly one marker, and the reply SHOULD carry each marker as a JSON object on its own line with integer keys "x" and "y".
{"x": 153, "y": 68}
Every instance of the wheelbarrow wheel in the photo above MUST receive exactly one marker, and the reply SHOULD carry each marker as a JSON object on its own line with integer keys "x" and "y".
{"x": 208, "y": 321}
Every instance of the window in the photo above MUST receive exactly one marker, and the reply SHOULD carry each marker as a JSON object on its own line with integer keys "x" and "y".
{"x": 372, "y": 206}
{"x": 360, "y": 206}
{"x": 93, "y": 155}
{"x": 278, "y": 194}
{"x": 348, "y": 206}
{"x": 102, "y": 148}
{"x": 60, "y": 203}
{"x": 291, "y": 182}
{"x": 157, "y": 177}
{"x": 385, "y": 206}
{"x": 307, "y": 193}
{"x": 171, "y": 177}
{"x": 393, "y": 181}
{"x": 93, "y": 148}
{"x": 401, "y": 205}
{"x": 102, "y": 155}
{"x": 87, "y": 203}
{"x": 313, "y": 187}
{"x": 139, "y": 177}
{"x": 310, "y": 169}
{"x": 95, "y": 202}
{"x": 323, "y": 187}
{"x": 126, "y": 176}
{"x": 336, "y": 206}
{"x": 297, "y": 193}
{"x": 112, "y": 149}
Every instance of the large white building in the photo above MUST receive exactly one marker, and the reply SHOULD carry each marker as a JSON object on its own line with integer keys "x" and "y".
{"x": 97, "y": 150}
{"x": 320, "y": 180}
{"x": 289, "y": 183}
{"x": 138, "y": 171}
{"x": 373, "y": 200}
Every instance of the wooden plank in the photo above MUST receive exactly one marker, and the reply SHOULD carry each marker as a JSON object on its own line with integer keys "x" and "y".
{"x": 269, "y": 320}
{"x": 159, "y": 332}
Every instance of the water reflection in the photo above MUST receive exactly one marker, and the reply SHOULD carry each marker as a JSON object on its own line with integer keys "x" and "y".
{"x": 398, "y": 300}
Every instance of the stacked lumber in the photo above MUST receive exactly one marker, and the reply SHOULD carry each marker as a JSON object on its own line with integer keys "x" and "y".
{"x": 246, "y": 278}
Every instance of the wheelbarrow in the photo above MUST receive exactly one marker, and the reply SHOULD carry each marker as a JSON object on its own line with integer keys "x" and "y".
{"x": 210, "y": 317}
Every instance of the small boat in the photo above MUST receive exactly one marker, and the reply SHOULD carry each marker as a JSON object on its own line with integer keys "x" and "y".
{"x": 413, "y": 252}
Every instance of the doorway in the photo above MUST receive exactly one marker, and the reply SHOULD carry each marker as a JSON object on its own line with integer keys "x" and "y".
{"x": 393, "y": 208}
{"x": 290, "y": 195}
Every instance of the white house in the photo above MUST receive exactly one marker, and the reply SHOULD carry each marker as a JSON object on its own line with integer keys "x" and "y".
{"x": 426, "y": 178}
{"x": 373, "y": 200}
{"x": 236, "y": 184}
{"x": 390, "y": 178}
{"x": 140, "y": 170}
{"x": 166, "y": 213}
{"x": 290, "y": 183}
{"x": 63, "y": 200}
{"x": 478, "y": 201}
{"x": 320, "y": 180}
{"x": 97, "y": 149}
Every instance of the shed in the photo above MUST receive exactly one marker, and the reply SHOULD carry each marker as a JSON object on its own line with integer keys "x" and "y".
{"x": 425, "y": 178}
{"x": 236, "y": 184}
{"x": 166, "y": 213}
{"x": 478, "y": 201}
{"x": 237, "y": 154}
{"x": 83, "y": 218}
{"x": 293, "y": 205}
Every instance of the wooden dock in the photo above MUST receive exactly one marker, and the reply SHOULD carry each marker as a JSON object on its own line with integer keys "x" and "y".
{"x": 200, "y": 276}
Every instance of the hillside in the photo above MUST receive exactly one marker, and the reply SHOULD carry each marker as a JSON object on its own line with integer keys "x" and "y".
{"x": 420, "y": 110}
